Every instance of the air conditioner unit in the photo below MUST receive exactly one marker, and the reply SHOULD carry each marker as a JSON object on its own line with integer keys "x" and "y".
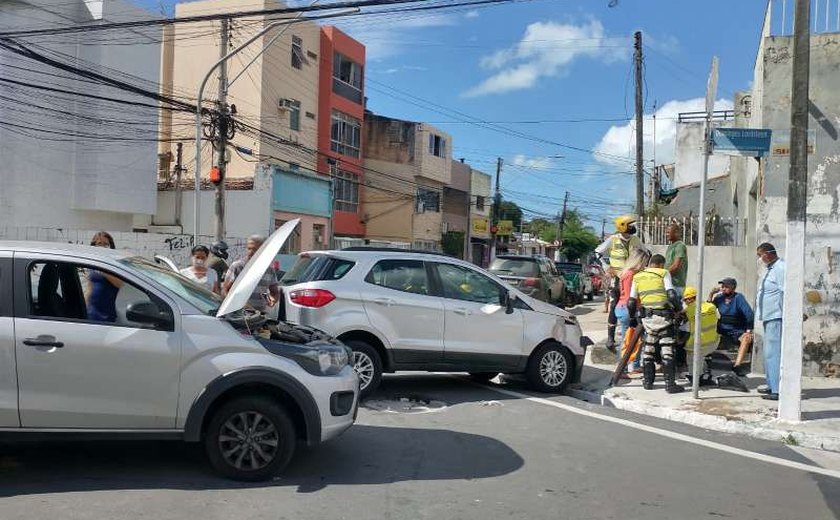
{"x": 285, "y": 104}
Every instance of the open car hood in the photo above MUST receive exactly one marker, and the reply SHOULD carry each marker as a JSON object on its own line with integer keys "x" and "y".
{"x": 254, "y": 270}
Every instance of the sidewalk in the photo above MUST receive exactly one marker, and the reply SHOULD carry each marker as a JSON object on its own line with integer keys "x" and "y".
{"x": 720, "y": 410}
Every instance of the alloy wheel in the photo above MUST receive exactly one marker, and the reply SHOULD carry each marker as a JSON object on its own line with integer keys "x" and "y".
{"x": 248, "y": 441}
{"x": 553, "y": 368}
{"x": 364, "y": 368}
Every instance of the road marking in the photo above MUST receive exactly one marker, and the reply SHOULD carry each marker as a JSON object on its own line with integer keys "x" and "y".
{"x": 669, "y": 434}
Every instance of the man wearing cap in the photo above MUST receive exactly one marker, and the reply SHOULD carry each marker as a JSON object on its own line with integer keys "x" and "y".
{"x": 770, "y": 304}
{"x": 735, "y": 325}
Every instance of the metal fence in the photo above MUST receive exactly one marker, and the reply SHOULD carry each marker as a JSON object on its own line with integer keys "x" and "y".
{"x": 720, "y": 231}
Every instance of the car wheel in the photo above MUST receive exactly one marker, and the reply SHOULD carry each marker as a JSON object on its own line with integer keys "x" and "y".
{"x": 368, "y": 366}
{"x": 482, "y": 377}
{"x": 250, "y": 439}
{"x": 590, "y": 296}
{"x": 550, "y": 368}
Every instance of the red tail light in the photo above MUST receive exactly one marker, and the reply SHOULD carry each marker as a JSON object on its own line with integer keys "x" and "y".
{"x": 311, "y": 297}
{"x": 530, "y": 282}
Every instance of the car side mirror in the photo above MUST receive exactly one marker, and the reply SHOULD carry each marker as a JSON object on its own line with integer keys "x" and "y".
{"x": 148, "y": 313}
{"x": 507, "y": 302}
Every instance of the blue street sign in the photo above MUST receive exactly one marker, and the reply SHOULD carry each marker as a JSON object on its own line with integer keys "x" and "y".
{"x": 749, "y": 142}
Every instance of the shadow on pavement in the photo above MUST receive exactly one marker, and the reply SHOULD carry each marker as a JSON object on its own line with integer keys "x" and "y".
{"x": 364, "y": 455}
{"x": 452, "y": 389}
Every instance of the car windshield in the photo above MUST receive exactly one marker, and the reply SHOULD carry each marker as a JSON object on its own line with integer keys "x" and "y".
{"x": 515, "y": 267}
{"x": 206, "y": 301}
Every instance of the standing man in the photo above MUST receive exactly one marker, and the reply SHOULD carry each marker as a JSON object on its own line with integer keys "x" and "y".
{"x": 770, "y": 302}
{"x": 217, "y": 258}
{"x": 653, "y": 291}
{"x": 613, "y": 254}
{"x": 676, "y": 262}
{"x": 267, "y": 291}
{"x": 736, "y": 321}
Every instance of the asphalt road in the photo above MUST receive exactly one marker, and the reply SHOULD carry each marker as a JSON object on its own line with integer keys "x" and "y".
{"x": 485, "y": 455}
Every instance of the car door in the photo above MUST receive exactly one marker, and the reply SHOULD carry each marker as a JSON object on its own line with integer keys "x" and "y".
{"x": 479, "y": 333}
{"x": 399, "y": 303}
{"x": 8, "y": 373}
{"x": 77, "y": 367}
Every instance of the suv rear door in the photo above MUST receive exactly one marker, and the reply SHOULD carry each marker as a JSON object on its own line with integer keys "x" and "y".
{"x": 479, "y": 334}
{"x": 399, "y": 302}
{"x": 77, "y": 369}
{"x": 8, "y": 374}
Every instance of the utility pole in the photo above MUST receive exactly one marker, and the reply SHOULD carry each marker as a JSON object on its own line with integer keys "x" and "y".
{"x": 222, "y": 132}
{"x": 790, "y": 381}
{"x": 640, "y": 170}
{"x": 494, "y": 228}
{"x": 179, "y": 170}
{"x": 561, "y": 226}
{"x": 603, "y": 229}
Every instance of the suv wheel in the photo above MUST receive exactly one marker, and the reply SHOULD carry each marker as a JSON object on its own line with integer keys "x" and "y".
{"x": 550, "y": 368}
{"x": 250, "y": 438}
{"x": 482, "y": 377}
{"x": 368, "y": 366}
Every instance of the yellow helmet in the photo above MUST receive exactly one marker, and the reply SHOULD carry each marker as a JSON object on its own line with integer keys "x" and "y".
{"x": 690, "y": 292}
{"x": 623, "y": 223}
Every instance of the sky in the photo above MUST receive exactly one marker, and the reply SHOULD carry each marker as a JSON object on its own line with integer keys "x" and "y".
{"x": 551, "y": 81}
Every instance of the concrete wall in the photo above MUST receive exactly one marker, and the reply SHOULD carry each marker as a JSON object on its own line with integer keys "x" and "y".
{"x": 389, "y": 203}
{"x": 480, "y": 187}
{"x": 689, "y": 156}
{"x": 822, "y": 278}
{"x": 432, "y": 167}
{"x": 719, "y": 262}
{"x": 60, "y": 170}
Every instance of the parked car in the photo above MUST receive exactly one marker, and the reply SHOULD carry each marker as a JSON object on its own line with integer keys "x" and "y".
{"x": 176, "y": 361}
{"x": 403, "y": 310}
{"x": 596, "y": 273}
{"x": 578, "y": 282}
{"x": 535, "y": 276}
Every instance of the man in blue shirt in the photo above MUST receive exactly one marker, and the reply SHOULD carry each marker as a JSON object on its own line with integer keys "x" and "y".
{"x": 770, "y": 303}
{"x": 735, "y": 324}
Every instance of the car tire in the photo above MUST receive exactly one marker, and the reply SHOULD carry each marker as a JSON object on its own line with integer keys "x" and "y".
{"x": 550, "y": 368}
{"x": 590, "y": 296}
{"x": 368, "y": 366}
{"x": 482, "y": 377}
{"x": 250, "y": 438}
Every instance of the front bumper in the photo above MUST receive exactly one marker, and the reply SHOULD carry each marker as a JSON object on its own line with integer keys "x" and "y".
{"x": 585, "y": 343}
{"x": 334, "y": 425}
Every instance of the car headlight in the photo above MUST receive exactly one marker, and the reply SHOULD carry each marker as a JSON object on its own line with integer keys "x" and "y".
{"x": 324, "y": 359}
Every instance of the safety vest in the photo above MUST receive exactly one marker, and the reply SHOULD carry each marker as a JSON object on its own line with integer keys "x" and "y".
{"x": 650, "y": 288}
{"x": 620, "y": 250}
{"x": 708, "y": 327}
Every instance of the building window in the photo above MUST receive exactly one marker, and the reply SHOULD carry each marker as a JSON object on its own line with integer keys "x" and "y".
{"x": 479, "y": 203}
{"x": 346, "y": 192}
{"x": 297, "y": 52}
{"x": 318, "y": 236}
{"x": 294, "y": 114}
{"x": 347, "y": 78}
{"x": 346, "y": 134}
{"x": 427, "y": 201}
{"x": 292, "y": 245}
{"x": 437, "y": 145}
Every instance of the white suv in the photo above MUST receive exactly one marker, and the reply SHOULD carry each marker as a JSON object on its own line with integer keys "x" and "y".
{"x": 169, "y": 359}
{"x": 402, "y": 310}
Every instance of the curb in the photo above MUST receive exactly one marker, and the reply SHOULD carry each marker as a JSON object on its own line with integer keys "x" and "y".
{"x": 772, "y": 430}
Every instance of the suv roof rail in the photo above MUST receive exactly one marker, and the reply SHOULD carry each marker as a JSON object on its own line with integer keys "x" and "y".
{"x": 396, "y": 250}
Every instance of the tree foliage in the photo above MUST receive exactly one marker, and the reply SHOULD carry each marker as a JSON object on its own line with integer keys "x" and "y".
{"x": 579, "y": 240}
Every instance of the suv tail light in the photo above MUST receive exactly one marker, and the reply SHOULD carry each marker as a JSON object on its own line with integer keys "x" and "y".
{"x": 530, "y": 282}
{"x": 311, "y": 297}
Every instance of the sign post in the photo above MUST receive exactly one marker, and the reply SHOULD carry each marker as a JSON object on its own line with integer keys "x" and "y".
{"x": 711, "y": 92}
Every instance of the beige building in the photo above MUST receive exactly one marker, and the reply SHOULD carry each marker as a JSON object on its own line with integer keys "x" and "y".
{"x": 407, "y": 166}
{"x": 480, "y": 221}
{"x": 274, "y": 93}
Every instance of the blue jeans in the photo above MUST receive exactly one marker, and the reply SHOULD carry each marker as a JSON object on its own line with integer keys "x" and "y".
{"x": 623, "y": 317}
{"x": 772, "y": 353}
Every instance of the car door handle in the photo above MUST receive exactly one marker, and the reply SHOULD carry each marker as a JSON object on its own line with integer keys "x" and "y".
{"x": 384, "y": 301}
{"x": 462, "y": 311}
{"x": 43, "y": 341}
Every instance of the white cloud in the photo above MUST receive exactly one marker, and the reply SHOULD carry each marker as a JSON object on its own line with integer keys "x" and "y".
{"x": 547, "y": 49}
{"x": 620, "y": 141}
{"x": 472, "y": 14}
{"x": 534, "y": 163}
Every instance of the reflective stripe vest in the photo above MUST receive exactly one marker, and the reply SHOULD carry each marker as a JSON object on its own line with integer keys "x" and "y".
{"x": 650, "y": 288}
{"x": 709, "y": 337}
{"x": 620, "y": 250}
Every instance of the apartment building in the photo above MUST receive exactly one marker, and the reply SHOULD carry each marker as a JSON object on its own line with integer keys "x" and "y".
{"x": 480, "y": 204}
{"x": 407, "y": 165}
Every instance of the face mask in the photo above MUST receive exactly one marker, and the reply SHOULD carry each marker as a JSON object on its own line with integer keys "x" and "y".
{"x": 631, "y": 230}
{"x": 198, "y": 262}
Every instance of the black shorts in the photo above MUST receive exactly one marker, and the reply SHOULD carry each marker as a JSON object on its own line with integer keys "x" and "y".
{"x": 731, "y": 339}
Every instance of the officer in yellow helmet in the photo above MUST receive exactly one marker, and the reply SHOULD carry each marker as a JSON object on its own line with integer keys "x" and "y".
{"x": 653, "y": 292}
{"x": 709, "y": 337}
{"x": 613, "y": 254}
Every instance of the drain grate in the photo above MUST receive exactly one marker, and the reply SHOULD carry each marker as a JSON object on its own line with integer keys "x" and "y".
{"x": 404, "y": 404}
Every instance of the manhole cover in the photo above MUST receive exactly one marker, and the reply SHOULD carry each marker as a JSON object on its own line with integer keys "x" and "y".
{"x": 404, "y": 404}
